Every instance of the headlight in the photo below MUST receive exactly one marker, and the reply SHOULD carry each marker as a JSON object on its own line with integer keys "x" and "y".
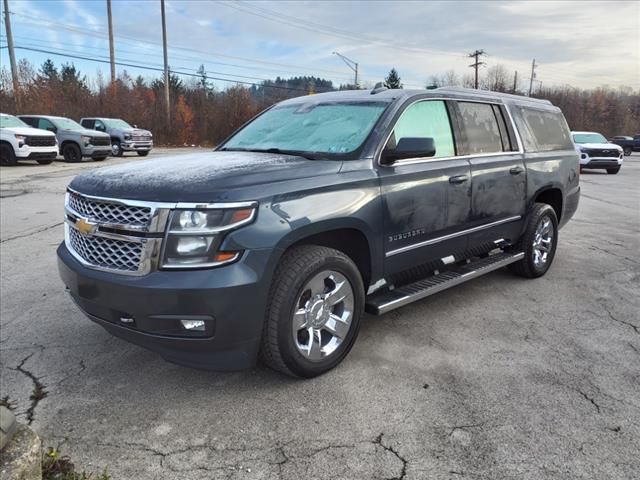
{"x": 86, "y": 140}
{"x": 195, "y": 235}
{"x": 20, "y": 139}
{"x": 127, "y": 136}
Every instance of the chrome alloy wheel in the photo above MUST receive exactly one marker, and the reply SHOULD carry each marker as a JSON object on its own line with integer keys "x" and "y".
{"x": 543, "y": 241}
{"x": 323, "y": 315}
{"x": 115, "y": 149}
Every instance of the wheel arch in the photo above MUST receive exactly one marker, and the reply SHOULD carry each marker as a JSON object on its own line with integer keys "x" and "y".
{"x": 551, "y": 195}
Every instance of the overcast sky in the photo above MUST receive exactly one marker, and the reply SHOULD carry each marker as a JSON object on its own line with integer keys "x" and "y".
{"x": 581, "y": 43}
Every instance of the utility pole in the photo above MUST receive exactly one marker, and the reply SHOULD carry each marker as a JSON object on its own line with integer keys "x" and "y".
{"x": 112, "y": 55}
{"x": 477, "y": 63}
{"x": 351, "y": 64}
{"x": 515, "y": 81}
{"x": 166, "y": 64}
{"x": 533, "y": 75}
{"x": 12, "y": 54}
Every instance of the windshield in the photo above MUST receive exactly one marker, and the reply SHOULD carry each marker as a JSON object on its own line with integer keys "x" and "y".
{"x": 330, "y": 128}
{"x": 66, "y": 123}
{"x": 589, "y": 138}
{"x": 9, "y": 121}
{"x": 116, "y": 123}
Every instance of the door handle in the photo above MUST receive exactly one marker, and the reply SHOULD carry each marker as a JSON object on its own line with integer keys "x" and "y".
{"x": 516, "y": 170}
{"x": 457, "y": 180}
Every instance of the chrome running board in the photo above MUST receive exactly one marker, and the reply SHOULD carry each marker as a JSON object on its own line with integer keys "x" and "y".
{"x": 388, "y": 300}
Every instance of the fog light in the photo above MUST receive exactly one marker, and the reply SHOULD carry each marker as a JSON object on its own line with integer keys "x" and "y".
{"x": 192, "y": 245}
{"x": 193, "y": 325}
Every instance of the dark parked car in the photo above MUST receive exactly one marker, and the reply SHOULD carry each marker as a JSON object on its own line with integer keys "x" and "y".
{"x": 628, "y": 144}
{"x": 320, "y": 208}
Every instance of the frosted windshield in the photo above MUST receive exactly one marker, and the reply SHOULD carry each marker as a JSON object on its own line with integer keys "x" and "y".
{"x": 589, "y": 138}
{"x": 335, "y": 128}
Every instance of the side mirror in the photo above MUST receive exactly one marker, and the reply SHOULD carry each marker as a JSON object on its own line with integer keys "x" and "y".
{"x": 135, "y": 126}
{"x": 52, "y": 129}
{"x": 100, "y": 128}
{"x": 410, "y": 147}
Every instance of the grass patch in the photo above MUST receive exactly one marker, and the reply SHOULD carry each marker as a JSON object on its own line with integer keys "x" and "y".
{"x": 56, "y": 466}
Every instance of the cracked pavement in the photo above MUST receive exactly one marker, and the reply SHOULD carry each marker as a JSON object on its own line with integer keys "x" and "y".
{"x": 500, "y": 378}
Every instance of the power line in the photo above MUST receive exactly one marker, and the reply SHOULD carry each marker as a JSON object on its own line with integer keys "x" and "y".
{"x": 158, "y": 69}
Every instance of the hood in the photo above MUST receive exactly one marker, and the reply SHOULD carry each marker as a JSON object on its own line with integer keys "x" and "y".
{"x": 29, "y": 131}
{"x": 199, "y": 177}
{"x": 84, "y": 131}
{"x": 599, "y": 146}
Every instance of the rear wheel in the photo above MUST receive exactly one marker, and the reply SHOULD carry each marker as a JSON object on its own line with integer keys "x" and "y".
{"x": 538, "y": 243}
{"x": 613, "y": 171}
{"x": 143, "y": 153}
{"x": 72, "y": 153}
{"x": 314, "y": 310}
{"x": 628, "y": 151}
{"x": 7, "y": 155}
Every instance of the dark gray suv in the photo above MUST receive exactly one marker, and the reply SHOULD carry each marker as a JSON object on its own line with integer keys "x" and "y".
{"x": 320, "y": 208}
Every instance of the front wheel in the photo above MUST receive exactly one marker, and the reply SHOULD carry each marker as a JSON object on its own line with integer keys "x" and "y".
{"x": 313, "y": 315}
{"x": 613, "y": 171}
{"x": 7, "y": 155}
{"x": 116, "y": 149}
{"x": 143, "y": 153}
{"x": 72, "y": 153}
{"x": 538, "y": 242}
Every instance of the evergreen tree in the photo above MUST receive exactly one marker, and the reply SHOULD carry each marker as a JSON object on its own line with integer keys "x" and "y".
{"x": 393, "y": 79}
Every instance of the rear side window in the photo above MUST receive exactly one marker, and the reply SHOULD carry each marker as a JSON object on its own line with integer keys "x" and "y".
{"x": 87, "y": 124}
{"x": 426, "y": 119}
{"x": 480, "y": 123}
{"x": 32, "y": 122}
{"x": 548, "y": 129}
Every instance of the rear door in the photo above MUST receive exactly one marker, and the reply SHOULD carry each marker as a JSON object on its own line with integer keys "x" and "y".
{"x": 498, "y": 174}
{"x": 427, "y": 201}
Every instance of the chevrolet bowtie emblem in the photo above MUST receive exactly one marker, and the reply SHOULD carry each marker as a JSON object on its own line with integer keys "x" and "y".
{"x": 85, "y": 226}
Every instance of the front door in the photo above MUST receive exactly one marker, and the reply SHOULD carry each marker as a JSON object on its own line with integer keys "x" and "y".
{"x": 427, "y": 201}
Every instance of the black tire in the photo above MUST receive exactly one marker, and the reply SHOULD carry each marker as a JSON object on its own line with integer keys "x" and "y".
{"x": 7, "y": 155}
{"x": 296, "y": 268}
{"x": 116, "y": 150}
{"x": 528, "y": 267}
{"x": 613, "y": 171}
{"x": 99, "y": 159}
{"x": 143, "y": 153}
{"x": 72, "y": 153}
{"x": 627, "y": 151}
{"x": 45, "y": 161}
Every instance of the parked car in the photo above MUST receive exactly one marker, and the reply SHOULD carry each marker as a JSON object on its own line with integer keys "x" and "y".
{"x": 596, "y": 152}
{"x": 124, "y": 137}
{"x": 18, "y": 141}
{"x": 318, "y": 209}
{"x": 628, "y": 144}
{"x": 74, "y": 140}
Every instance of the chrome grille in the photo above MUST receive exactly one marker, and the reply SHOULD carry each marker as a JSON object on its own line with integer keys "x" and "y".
{"x": 141, "y": 138}
{"x": 107, "y": 212}
{"x": 106, "y": 252}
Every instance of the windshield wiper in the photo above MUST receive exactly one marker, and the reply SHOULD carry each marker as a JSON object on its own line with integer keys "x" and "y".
{"x": 297, "y": 153}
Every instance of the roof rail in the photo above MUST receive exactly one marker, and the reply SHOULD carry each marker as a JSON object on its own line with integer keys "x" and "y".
{"x": 489, "y": 93}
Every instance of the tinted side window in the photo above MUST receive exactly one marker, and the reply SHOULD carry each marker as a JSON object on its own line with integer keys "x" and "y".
{"x": 549, "y": 129}
{"x": 426, "y": 119}
{"x": 32, "y": 122}
{"x": 87, "y": 124}
{"x": 481, "y": 126}
{"x": 45, "y": 124}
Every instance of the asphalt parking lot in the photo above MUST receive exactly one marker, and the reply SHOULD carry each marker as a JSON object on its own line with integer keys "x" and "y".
{"x": 500, "y": 378}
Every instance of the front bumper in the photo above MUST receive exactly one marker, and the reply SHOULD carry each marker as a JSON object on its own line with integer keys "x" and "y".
{"x": 600, "y": 162}
{"x": 94, "y": 151}
{"x": 146, "y": 310}
{"x": 37, "y": 153}
{"x": 131, "y": 146}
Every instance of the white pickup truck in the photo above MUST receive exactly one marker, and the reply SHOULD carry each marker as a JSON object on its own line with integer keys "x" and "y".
{"x": 19, "y": 141}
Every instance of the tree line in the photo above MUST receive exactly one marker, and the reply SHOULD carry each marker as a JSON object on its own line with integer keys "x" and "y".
{"x": 204, "y": 115}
